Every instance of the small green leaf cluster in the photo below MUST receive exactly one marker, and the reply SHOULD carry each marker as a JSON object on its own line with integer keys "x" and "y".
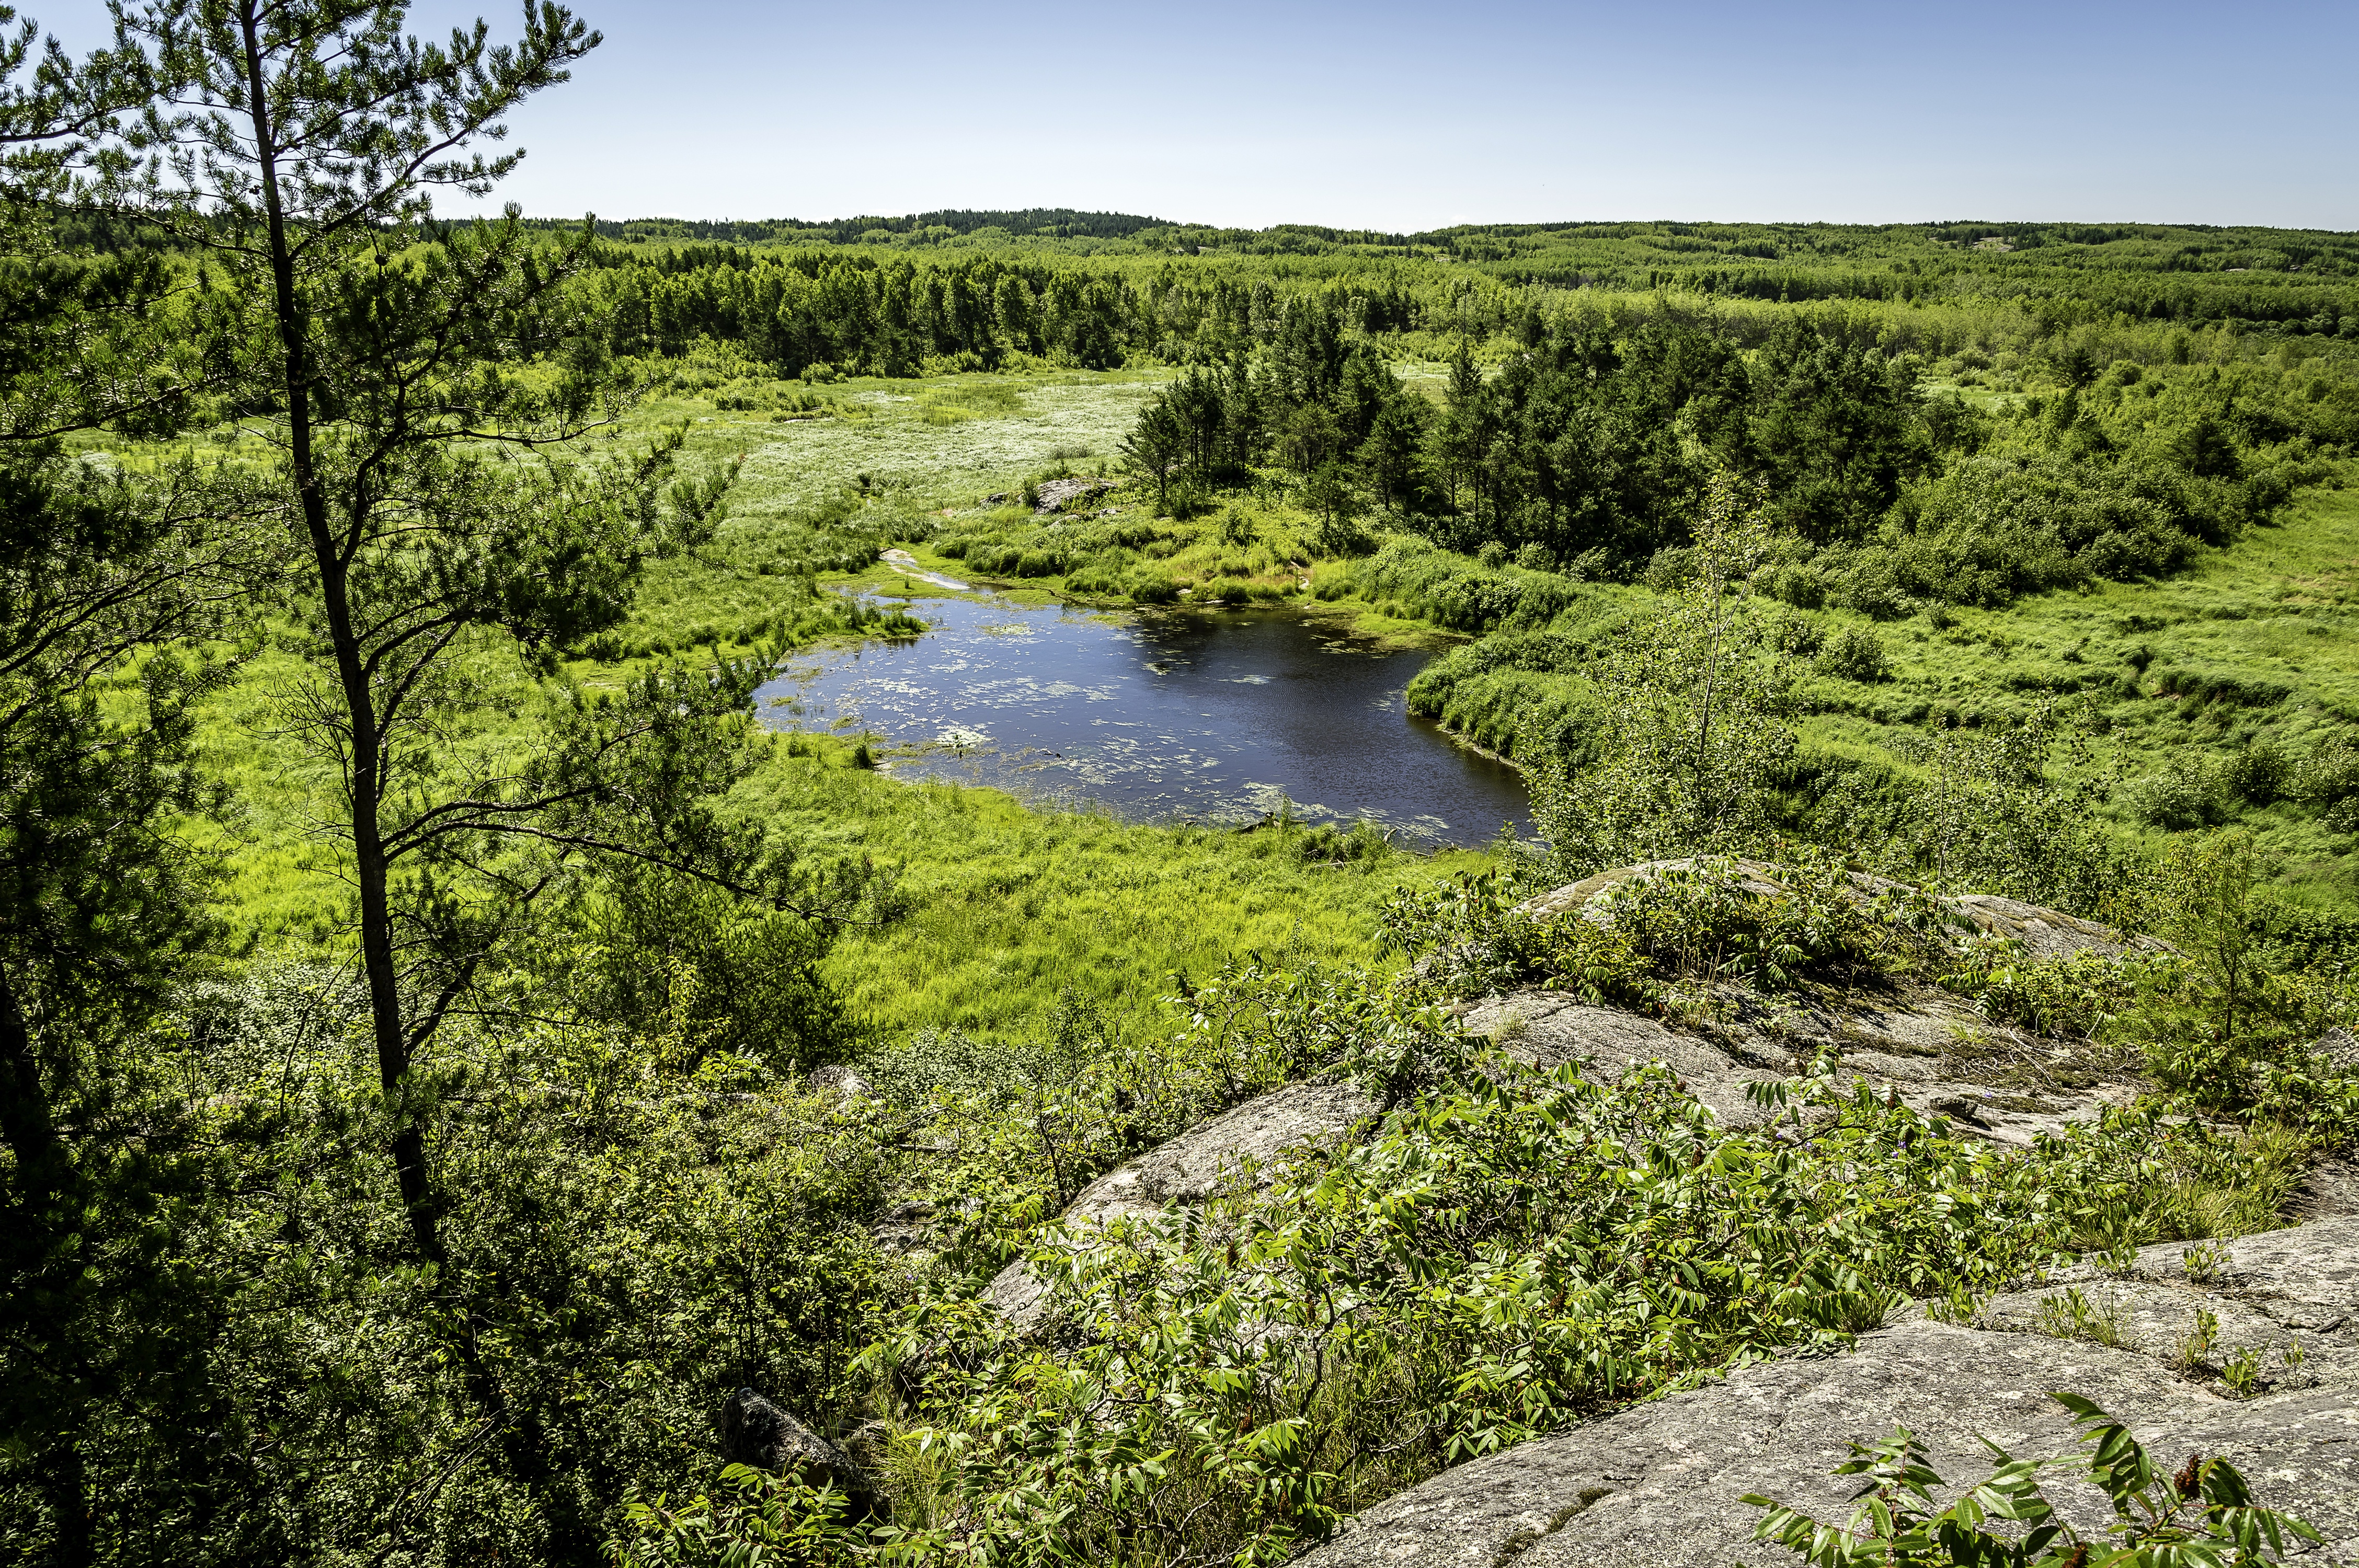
{"x": 2072, "y": 998}
{"x": 1469, "y": 938}
{"x": 1693, "y": 925}
{"x": 756, "y": 1518}
{"x": 1713, "y": 919}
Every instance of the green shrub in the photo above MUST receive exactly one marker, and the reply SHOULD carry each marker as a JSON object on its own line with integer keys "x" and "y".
{"x": 756, "y": 1518}
{"x": 2177, "y": 800}
{"x": 2328, "y": 781}
{"x": 1799, "y": 635}
{"x": 1875, "y": 597}
{"x": 2261, "y": 773}
{"x": 1669, "y": 568}
{"x": 1803, "y": 586}
{"x": 1703, "y": 923}
{"x": 2202, "y": 1516}
{"x": 2069, "y": 998}
{"x": 1857, "y": 655}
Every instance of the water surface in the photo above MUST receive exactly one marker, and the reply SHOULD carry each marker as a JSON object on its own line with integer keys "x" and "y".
{"x": 1203, "y": 716}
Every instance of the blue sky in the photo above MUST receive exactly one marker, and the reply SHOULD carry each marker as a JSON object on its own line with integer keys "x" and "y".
{"x": 1396, "y": 117}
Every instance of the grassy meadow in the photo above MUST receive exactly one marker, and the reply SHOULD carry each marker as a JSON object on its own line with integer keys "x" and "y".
{"x": 1010, "y": 907}
{"x": 1004, "y": 909}
{"x": 2277, "y": 614}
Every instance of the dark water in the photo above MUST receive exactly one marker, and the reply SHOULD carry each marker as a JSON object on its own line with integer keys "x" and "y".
{"x": 1215, "y": 716}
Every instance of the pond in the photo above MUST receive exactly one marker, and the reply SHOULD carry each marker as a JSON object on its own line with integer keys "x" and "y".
{"x": 1215, "y": 716}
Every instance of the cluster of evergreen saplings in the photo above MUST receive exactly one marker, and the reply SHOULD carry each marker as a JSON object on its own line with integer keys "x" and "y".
{"x": 1589, "y": 453}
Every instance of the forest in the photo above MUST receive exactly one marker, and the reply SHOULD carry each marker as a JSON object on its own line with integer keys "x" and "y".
{"x": 453, "y": 1037}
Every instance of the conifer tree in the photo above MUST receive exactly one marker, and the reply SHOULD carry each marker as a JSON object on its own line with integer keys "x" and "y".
{"x": 298, "y": 146}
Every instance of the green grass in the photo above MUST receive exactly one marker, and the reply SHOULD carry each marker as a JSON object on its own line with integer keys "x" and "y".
{"x": 1008, "y": 908}
{"x": 2280, "y": 607}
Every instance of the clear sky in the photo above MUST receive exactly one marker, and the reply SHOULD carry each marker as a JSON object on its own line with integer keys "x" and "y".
{"x": 1399, "y": 118}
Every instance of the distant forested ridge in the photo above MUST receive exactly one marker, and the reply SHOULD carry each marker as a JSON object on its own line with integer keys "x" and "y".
{"x": 2058, "y": 276}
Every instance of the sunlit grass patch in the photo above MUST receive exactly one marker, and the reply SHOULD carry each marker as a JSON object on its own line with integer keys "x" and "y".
{"x": 957, "y": 402}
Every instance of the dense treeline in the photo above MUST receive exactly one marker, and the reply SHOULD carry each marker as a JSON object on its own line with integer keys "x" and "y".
{"x": 897, "y": 314}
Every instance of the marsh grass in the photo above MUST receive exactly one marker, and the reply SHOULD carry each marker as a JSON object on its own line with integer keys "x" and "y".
{"x": 957, "y": 402}
{"x": 1007, "y": 909}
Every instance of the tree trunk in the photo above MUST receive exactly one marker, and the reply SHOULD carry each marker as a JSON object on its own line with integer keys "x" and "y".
{"x": 25, "y": 1118}
{"x": 408, "y": 1144}
{"x": 29, "y": 1122}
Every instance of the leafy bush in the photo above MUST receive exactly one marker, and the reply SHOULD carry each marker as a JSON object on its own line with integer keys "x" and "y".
{"x": 1996, "y": 526}
{"x": 1857, "y": 655}
{"x": 2260, "y": 773}
{"x": 2327, "y": 780}
{"x": 1695, "y": 924}
{"x": 1802, "y": 585}
{"x": 1029, "y": 1127}
{"x": 1463, "y": 595}
{"x": 1469, "y": 938}
{"x": 1703, "y": 923}
{"x": 1498, "y": 691}
{"x": 2072, "y": 998}
{"x": 1509, "y": 1254}
{"x": 2204, "y": 1516}
{"x": 1799, "y": 635}
{"x": 2178, "y": 799}
{"x": 758, "y": 1519}
{"x": 1691, "y": 733}
{"x": 2217, "y": 1023}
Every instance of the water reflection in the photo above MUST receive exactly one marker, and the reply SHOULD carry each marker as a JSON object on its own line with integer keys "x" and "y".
{"x": 1206, "y": 715}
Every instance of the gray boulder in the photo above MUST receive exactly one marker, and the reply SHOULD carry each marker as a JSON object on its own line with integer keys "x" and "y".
{"x": 756, "y": 1432}
{"x": 2045, "y": 934}
{"x": 1933, "y": 1049}
{"x": 1657, "y": 1485}
{"x": 1246, "y": 1143}
{"x": 1057, "y": 493}
{"x": 1920, "y": 1044}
